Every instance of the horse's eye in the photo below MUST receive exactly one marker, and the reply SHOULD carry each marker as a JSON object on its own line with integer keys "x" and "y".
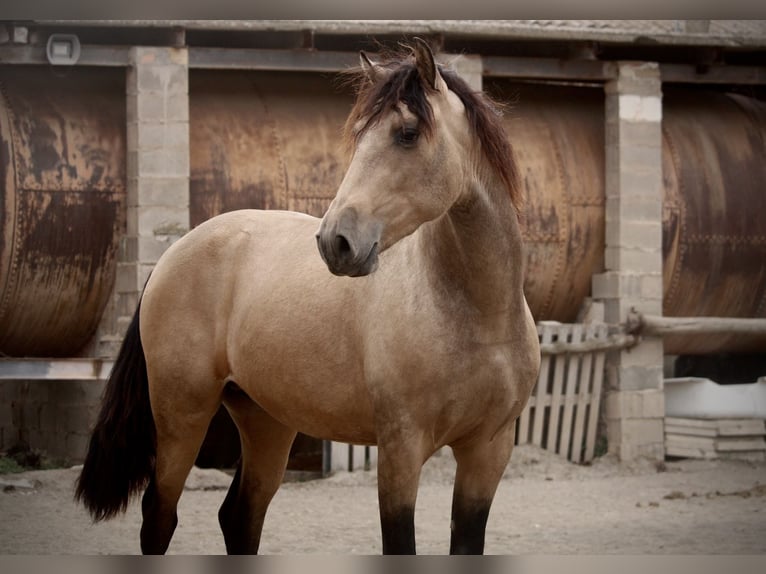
{"x": 407, "y": 137}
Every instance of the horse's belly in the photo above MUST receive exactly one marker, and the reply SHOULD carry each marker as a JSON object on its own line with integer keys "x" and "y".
{"x": 312, "y": 384}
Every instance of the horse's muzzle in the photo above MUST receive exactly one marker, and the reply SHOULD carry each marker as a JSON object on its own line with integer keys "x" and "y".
{"x": 346, "y": 250}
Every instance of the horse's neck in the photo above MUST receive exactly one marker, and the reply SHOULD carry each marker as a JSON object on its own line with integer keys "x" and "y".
{"x": 476, "y": 252}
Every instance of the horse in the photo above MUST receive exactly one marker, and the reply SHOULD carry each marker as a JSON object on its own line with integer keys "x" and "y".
{"x": 398, "y": 320}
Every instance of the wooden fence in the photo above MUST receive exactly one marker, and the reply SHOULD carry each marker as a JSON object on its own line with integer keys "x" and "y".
{"x": 562, "y": 413}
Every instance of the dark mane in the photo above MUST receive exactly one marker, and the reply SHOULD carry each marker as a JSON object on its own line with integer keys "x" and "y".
{"x": 402, "y": 83}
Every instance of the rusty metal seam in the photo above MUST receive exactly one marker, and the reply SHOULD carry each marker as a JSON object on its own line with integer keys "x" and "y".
{"x": 564, "y": 224}
{"x": 283, "y": 191}
{"x": 13, "y": 263}
{"x": 720, "y": 239}
{"x": 676, "y": 276}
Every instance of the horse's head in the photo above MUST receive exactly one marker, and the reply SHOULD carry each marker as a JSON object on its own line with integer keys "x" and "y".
{"x": 411, "y": 143}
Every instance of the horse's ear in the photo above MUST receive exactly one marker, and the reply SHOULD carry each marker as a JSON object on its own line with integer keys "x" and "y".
{"x": 371, "y": 70}
{"x": 425, "y": 63}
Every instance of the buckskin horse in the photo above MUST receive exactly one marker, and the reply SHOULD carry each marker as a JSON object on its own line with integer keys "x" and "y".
{"x": 407, "y": 329}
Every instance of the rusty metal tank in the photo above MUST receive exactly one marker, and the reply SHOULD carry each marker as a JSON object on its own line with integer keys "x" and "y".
{"x": 272, "y": 140}
{"x": 714, "y": 230}
{"x": 62, "y": 172}
{"x": 714, "y": 234}
{"x": 266, "y": 141}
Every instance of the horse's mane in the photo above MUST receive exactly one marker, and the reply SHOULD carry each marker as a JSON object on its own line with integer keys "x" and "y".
{"x": 402, "y": 83}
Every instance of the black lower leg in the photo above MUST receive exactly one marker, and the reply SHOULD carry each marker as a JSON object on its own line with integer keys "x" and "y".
{"x": 398, "y": 530}
{"x": 158, "y": 524}
{"x": 469, "y": 522}
{"x": 236, "y": 520}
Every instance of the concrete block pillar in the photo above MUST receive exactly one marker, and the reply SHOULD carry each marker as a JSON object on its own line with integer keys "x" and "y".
{"x": 157, "y": 93}
{"x": 633, "y": 257}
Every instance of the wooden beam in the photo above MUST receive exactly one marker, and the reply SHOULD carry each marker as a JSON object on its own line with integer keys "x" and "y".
{"x": 257, "y": 59}
{"x": 640, "y": 324}
{"x": 90, "y": 55}
{"x": 714, "y": 74}
{"x": 55, "y": 369}
{"x": 612, "y": 342}
{"x": 547, "y": 69}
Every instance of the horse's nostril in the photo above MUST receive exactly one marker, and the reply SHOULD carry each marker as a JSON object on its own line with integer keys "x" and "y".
{"x": 342, "y": 246}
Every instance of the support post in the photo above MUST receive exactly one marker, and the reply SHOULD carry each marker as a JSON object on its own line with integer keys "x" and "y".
{"x": 157, "y": 97}
{"x": 633, "y": 257}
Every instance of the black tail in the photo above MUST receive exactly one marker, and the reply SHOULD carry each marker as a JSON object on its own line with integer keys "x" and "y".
{"x": 122, "y": 448}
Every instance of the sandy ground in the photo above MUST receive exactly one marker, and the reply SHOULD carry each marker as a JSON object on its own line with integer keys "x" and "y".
{"x": 544, "y": 505}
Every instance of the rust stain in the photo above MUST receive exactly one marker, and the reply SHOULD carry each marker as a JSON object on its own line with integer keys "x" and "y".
{"x": 65, "y": 140}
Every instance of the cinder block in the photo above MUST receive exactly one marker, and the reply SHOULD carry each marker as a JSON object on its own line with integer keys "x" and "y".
{"x": 177, "y": 135}
{"x": 634, "y": 134}
{"x": 6, "y": 415}
{"x": 151, "y": 55}
{"x": 127, "y": 303}
{"x": 126, "y": 278}
{"x": 177, "y": 108}
{"x": 75, "y": 447}
{"x": 633, "y": 259}
{"x": 638, "y": 182}
{"x": 635, "y": 286}
{"x": 638, "y": 157}
{"x": 144, "y": 107}
{"x": 163, "y": 163}
{"x": 75, "y": 419}
{"x": 648, "y": 353}
{"x": 637, "y": 378}
{"x": 648, "y": 404}
{"x": 162, "y": 220}
{"x": 177, "y": 83}
{"x": 639, "y": 107}
{"x": 640, "y": 435}
{"x": 169, "y": 191}
{"x": 635, "y": 208}
{"x": 634, "y": 234}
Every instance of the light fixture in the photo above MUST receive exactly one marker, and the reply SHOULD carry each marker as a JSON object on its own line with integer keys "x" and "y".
{"x": 63, "y": 49}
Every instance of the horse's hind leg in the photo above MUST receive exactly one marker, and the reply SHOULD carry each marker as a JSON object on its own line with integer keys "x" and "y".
{"x": 265, "y": 449}
{"x": 480, "y": 466}
{"x": 182, "y": 417}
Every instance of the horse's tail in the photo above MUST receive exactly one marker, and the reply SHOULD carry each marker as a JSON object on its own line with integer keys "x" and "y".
{"x": 122, "y": 448}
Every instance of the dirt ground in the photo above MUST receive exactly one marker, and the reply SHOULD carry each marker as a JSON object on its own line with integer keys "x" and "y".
{"x": 544, "y": 505}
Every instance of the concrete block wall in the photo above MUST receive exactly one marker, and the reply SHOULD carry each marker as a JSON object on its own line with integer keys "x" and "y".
{"x": 55, "y": 417}
{"x": 157, "y": 100}
{"x": 634, "y": 405}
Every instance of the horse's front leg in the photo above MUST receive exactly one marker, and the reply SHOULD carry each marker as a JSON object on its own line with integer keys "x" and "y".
{"x": 480, "y": 466}
{"x": 400, "y": 459}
